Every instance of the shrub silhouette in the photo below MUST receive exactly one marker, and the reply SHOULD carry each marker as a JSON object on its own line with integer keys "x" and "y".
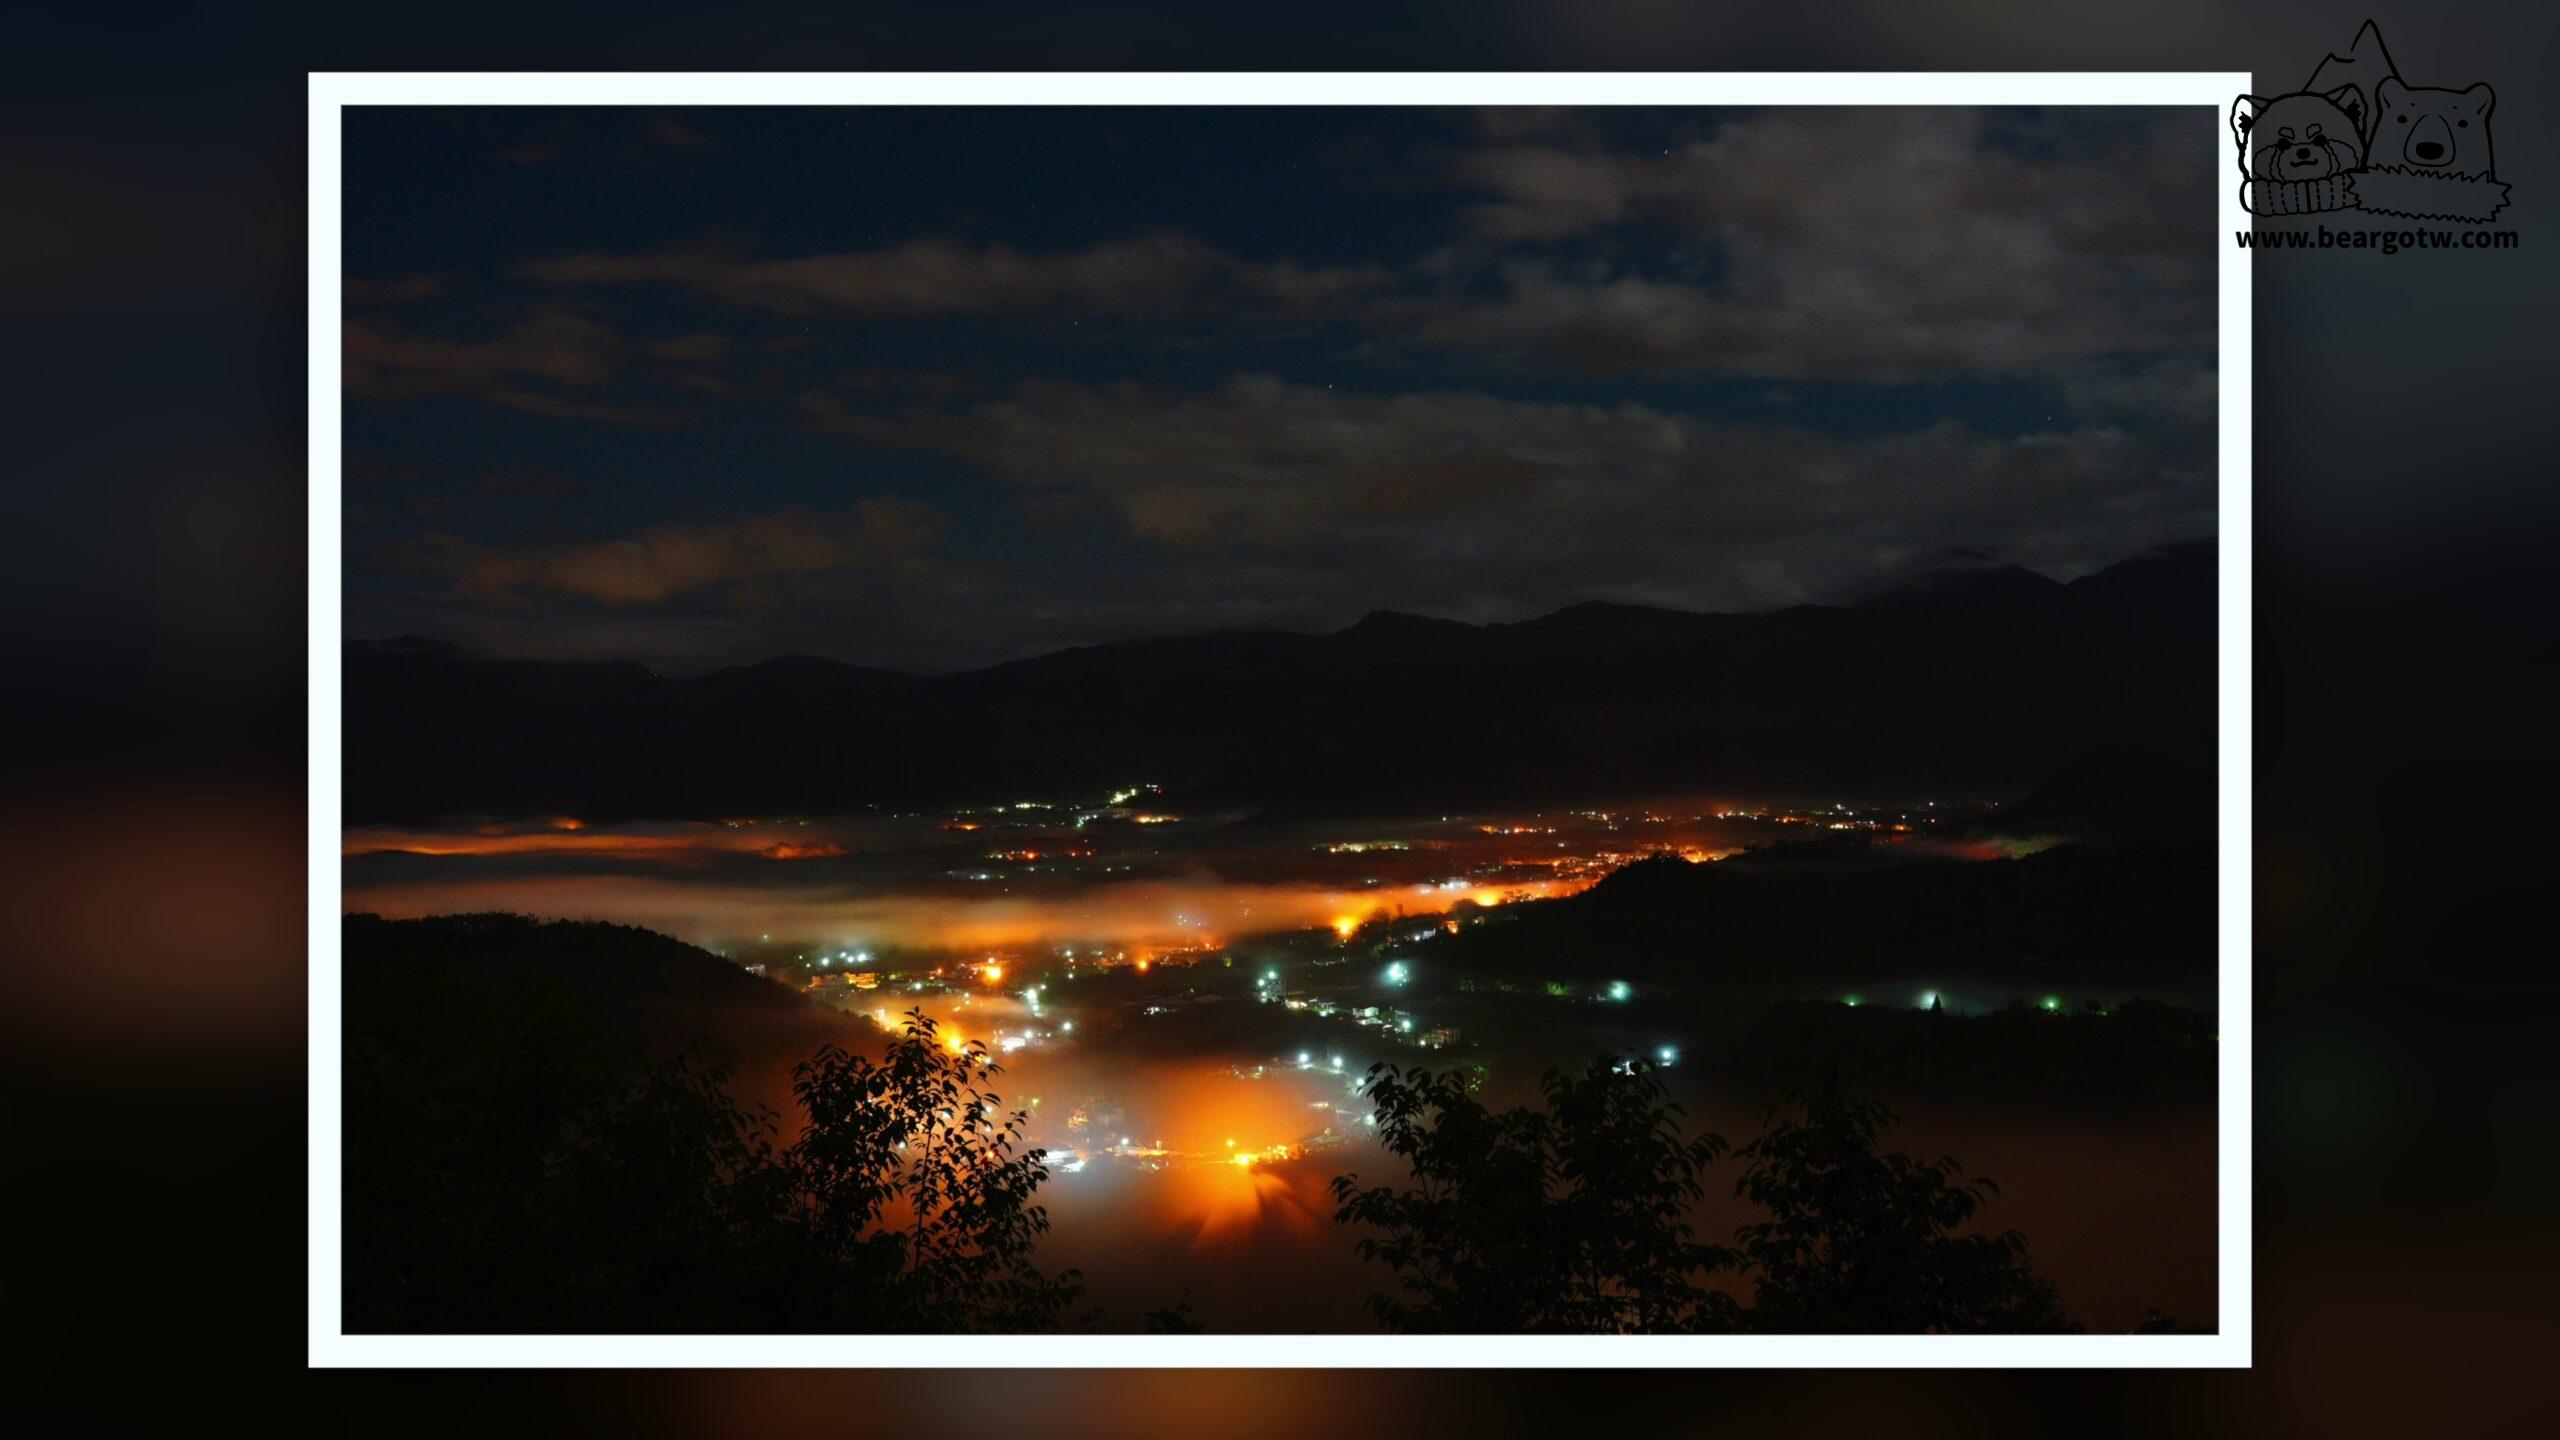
{"x": 1861, "y": 1242}
{"x": 1566, "y": 1219}
{"x": 1574, "y": 1219}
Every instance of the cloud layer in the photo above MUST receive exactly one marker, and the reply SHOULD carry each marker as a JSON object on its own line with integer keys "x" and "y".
{"x": 1526, "y": 358}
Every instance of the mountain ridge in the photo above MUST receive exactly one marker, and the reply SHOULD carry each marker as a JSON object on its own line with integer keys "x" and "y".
{"x": 1400, "y": 710}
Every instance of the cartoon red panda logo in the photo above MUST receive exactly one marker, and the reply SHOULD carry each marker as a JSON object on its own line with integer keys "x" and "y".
{"x": 2300, "y": 136}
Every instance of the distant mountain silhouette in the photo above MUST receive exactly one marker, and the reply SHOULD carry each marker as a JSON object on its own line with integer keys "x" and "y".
{"x": 2172, "y": 586}
{"x": 1962, "y": 581}
{"x": 1980, "y": 686}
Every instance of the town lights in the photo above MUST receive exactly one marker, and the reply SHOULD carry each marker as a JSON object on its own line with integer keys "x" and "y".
{"x": 1396, "y": 973}
{"x": 1620, "y": 990}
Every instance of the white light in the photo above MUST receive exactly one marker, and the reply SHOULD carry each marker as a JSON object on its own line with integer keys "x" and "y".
{"x": 1305, "y": 1059}
{"x": 1666, "y": 1054}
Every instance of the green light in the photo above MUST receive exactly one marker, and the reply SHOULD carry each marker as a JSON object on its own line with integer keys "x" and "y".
{"x": 2052, "y": 1003}
{"x": 1619, "y": 990}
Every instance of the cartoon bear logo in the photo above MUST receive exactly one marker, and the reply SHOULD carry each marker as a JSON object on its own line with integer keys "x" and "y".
{"x": 2430, "y": 157}
{"x": 2297, "y": 150}
{"x": 2442, "y": 130}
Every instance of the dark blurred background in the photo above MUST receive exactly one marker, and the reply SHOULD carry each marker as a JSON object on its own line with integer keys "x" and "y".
{"x": 153, "y": 285}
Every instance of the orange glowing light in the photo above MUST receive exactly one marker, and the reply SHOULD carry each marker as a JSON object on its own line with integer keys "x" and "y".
{"x": 787, "y": 851}
{"x": 993, "y": 973}
{"x": 1346, "y": 925}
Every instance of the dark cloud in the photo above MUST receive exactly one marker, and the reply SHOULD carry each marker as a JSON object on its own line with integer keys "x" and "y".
{"x": 554, "y": 345}
{"x": 708, "y": 348}
{"x": 1170, "y": 377}
{"x": 1869, "y": 244}
{"x": 1157, "y": 275}
{"x": 664, "y": 562}
{"x": 1874, "y": 244}
{"x": 399, "y": 290}
{"x": 1501, "y": 508}
{"x": 600, "y": 412}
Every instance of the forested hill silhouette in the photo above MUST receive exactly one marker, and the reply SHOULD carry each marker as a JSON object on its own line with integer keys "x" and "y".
{"x": 589, "y": 1128}
{"x": 2118, "y": 794}
{"x": 1966, "y": 681}
{"x": 2070, "y": 913}
{"x": 615, "y": 990}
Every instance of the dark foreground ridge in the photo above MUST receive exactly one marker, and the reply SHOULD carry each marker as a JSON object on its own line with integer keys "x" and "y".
{"x": 1977, "y": 681}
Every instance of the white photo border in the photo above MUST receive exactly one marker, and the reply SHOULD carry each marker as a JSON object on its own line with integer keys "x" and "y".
{"x": 330, "y": 1346}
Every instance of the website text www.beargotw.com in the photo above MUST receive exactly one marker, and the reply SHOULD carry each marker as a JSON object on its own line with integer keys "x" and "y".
{"x": 2389, "y": 242}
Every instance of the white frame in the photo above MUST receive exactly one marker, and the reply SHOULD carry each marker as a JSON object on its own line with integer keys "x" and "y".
{"x": 328, "y": 1346}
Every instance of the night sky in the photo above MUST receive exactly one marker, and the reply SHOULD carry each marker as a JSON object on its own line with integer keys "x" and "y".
{"x": 929, "y": 389}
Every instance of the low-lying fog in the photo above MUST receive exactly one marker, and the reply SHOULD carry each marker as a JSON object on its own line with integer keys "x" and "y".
{"x": 1197, "y": 1087}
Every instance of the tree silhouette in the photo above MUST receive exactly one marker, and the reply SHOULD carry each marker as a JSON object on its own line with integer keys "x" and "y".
{"x": 1565, "y": 1219}
{"x": 1861, "y": 1242}
{"x": 913, "y": 1133}
{"x": 1574, "y": 1218}
{"x": 517, "y": 1187}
